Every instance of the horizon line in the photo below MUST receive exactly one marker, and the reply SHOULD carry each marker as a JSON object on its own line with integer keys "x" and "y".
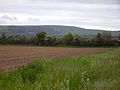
{"x": 60, "y": 25}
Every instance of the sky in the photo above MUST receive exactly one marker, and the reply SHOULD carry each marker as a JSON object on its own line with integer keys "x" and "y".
{"x": 91, "y": 14}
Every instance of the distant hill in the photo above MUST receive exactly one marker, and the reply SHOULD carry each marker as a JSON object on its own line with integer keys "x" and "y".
{"x": 54, "y": 30}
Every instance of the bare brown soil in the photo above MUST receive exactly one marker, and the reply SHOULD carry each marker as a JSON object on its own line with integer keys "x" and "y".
{"x": 13, "y": 56}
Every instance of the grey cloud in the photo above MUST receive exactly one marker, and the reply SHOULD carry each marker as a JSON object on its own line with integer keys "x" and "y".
{"x": 83, "y": 1}
{"x": 33, "y": 21}
{"x": 5, "y": 17}
{"x": 2, "y": 21}
{"x": 102, "y": 13}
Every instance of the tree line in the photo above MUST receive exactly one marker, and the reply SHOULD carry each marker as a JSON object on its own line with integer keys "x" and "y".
{"x": 42, "y": 39}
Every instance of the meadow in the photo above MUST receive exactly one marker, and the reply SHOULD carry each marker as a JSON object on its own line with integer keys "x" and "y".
{"x": 99, "y": 71}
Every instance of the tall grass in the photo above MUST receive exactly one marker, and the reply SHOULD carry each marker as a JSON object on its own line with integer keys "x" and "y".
{"x": 99, "y": 71}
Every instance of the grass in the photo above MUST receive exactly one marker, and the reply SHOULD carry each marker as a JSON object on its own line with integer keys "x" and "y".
{"x": 100, "y": 71}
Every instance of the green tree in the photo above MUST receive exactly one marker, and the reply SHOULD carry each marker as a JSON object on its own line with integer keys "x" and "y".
{"x": 3, "y": 38}
{"x": 50, "y": 40}
{"x": 119, "y": 36}
{"x": 98, "y": 39}
{"x": 76, "y": 41}
{"x": 98, "y": 36}
{"x": 41, "y": 38}
{"x": 59, "y": 41}
{"x": 68, "y": 39}
{"x": 107, "y": 38}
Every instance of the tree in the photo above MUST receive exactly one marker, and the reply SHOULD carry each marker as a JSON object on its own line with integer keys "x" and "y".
{"x": 68, "y": 39}
{"x": 98, "y": 36}
{"x": 119, "y": 36}
{"x": 98, "y": 39}
{"x": 107, "y": 38}
{"x": 3, "y": 39}
{"x": 59, "y": 41}
{"x": 76, "y": 41}
{"x": 50, "y": 40}
{"x": 4, "y": 36}
{"x": 10, "y": 39}
{"x": 41, "y": 38}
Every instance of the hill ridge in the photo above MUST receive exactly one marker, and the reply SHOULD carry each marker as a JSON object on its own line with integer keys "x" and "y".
{"x": 54, "y": 30}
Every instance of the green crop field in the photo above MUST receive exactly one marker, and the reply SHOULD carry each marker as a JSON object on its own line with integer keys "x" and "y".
{"x": 100, "y": 71}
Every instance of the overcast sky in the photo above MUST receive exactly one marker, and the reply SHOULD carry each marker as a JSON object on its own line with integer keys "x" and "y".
{"x": 93, "y": 14}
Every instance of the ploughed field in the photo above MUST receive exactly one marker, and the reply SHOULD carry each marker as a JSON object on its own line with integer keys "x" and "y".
{"x": 13, "y": 56}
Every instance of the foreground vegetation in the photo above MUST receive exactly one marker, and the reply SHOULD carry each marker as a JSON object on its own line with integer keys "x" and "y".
{"x": 99, "y": 71}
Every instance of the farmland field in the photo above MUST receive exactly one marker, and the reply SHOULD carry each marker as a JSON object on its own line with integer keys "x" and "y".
{"x": 14, "y": 56}
{"x": 98, "y": 71}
